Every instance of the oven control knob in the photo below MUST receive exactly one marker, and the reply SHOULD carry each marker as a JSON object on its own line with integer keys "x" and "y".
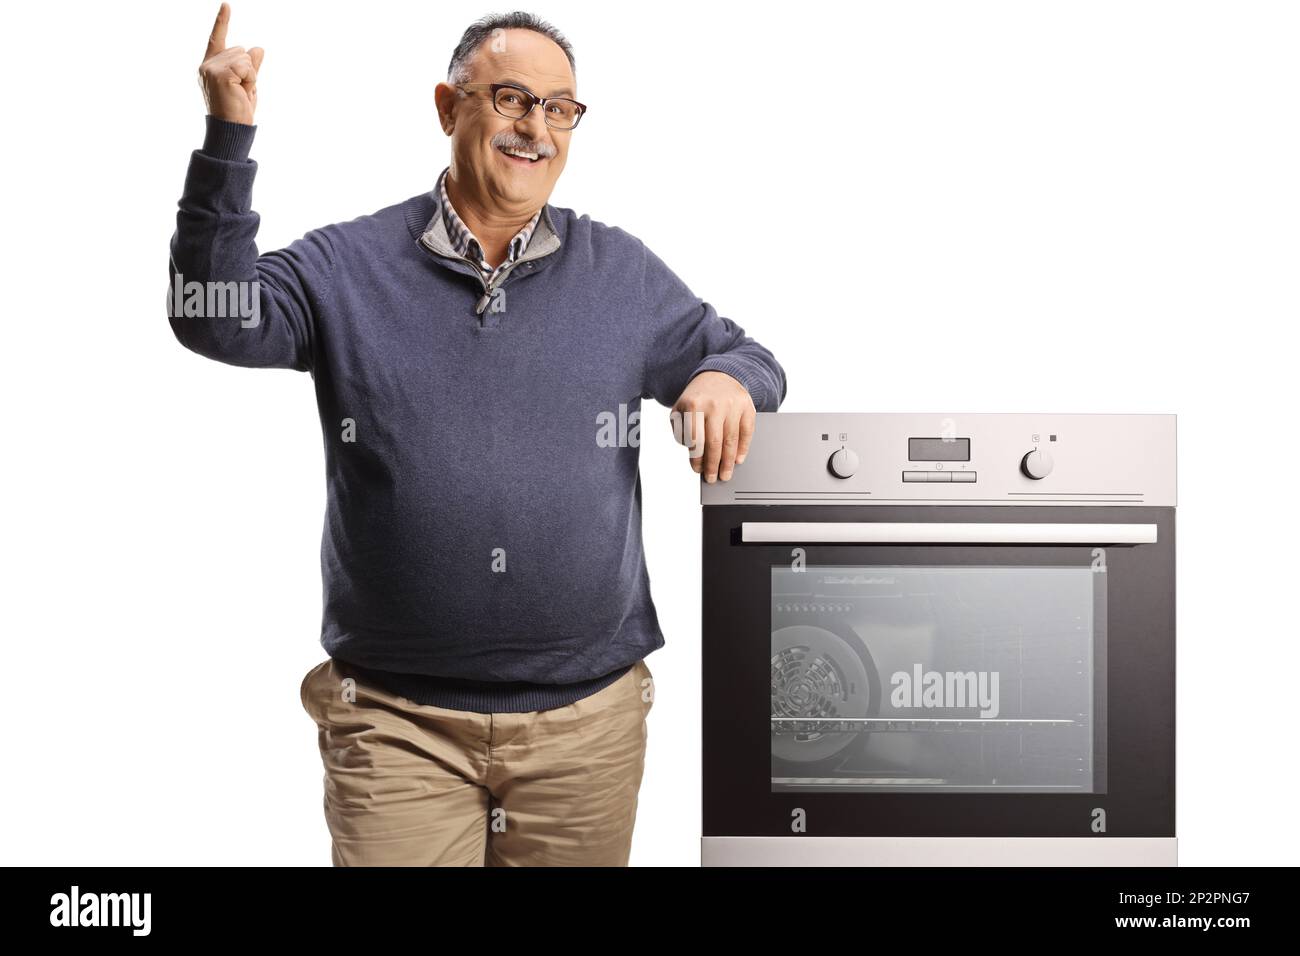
{"x": 1036, "y": 464}
{"x": 844, "y": 463}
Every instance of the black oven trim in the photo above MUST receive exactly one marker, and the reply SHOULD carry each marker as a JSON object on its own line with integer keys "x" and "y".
{"x": 1135, "y": 725}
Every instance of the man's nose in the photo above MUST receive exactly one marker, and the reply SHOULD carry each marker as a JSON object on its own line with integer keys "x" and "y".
{"x": 533, "y": 125}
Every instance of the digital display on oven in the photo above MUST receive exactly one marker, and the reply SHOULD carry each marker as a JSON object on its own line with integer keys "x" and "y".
{"x": 938, "y": 449}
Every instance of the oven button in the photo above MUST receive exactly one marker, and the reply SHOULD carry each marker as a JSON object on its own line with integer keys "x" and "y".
{"x": 963, "y": 476}
{"x": 939, "y": 476}
{"x": 914, "y": 476}
{"x": 1036, "y": 464}
{"x": 844, "y": 463}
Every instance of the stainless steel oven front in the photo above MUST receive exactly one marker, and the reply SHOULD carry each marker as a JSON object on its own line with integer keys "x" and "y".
{"x": 941, "y": 639}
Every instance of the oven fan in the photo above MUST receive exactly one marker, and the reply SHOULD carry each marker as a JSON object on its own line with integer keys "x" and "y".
{"x": 817, "y": 672}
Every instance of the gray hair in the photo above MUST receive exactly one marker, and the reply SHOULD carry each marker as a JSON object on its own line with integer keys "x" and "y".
{"x": 458, "y": 70}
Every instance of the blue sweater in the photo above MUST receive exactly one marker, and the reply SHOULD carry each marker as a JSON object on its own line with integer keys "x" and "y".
{"x": 480, "y": 526}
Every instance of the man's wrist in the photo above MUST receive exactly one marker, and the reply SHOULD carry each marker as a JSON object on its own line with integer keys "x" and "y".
{"x": 226, "y": 140}
{"x": 736, "y": 369}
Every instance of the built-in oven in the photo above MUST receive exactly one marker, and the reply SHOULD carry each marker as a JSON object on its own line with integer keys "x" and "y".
{"x": 941, "y": 640}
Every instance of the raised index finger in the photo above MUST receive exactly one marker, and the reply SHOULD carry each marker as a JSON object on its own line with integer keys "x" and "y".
{"x": 217, "y": 39}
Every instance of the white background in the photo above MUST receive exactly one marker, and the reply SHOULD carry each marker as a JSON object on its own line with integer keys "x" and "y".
{"x": 1070, "y": 207}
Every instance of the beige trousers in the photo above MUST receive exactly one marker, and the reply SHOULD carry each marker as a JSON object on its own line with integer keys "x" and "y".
{"x": 413, "y": 785}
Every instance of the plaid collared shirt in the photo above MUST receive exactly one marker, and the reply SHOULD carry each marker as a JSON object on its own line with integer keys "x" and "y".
{"x": 464, "y": 242}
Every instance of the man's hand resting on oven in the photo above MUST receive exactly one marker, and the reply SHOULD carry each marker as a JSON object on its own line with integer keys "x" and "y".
{"x": 719, "y": 407}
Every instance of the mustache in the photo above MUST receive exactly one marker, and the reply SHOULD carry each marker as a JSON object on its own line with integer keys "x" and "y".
{"x": 509, "y": 139}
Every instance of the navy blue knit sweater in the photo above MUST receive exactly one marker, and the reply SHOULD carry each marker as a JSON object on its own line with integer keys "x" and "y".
{"x": 479, "y": 535}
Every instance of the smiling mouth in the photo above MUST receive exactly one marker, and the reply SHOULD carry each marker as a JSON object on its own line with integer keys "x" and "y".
{"x": 520, "y": 155}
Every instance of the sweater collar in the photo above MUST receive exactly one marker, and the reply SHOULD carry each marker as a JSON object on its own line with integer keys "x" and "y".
{"x": 464, "y": 241}
{"x": 427, "y": 225}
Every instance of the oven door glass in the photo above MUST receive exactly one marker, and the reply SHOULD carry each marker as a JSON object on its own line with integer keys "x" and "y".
{"x": 924, "y": 678}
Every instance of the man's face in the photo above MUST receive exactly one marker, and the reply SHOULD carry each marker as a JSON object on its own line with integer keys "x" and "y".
{"x": 478, "y": 132}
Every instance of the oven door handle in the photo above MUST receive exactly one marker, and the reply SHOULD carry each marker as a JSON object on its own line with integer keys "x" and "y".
{"x": 936, "y": 532}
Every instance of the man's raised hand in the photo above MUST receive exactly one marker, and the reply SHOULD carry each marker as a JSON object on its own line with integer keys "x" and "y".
{"x": 228, "y": 75}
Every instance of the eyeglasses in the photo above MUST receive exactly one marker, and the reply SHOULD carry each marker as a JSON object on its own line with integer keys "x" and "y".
{"x": 515, "y": 102}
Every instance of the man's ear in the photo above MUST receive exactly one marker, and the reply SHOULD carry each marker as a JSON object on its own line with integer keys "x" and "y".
{"x": 444, "y": 99}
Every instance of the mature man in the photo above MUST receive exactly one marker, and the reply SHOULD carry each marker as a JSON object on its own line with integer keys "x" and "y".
{"x": 479, "y": 358}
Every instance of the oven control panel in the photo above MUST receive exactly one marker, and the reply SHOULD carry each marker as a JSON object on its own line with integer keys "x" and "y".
{"x": 985, "y": 458}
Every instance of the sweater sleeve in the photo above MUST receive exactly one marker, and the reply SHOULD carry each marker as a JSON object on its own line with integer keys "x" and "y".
{"x": 688, "y": 336}
{"x": 224, "y": 300}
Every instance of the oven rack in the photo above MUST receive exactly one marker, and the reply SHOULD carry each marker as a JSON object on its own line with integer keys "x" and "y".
{"x": 825, "y": 725}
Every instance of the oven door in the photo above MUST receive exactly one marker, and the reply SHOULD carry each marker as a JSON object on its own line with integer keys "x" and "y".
{"x": 934, "y": 671}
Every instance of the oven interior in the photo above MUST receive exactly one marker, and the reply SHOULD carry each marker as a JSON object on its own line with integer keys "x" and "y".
{"x": 934, "y": 678}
